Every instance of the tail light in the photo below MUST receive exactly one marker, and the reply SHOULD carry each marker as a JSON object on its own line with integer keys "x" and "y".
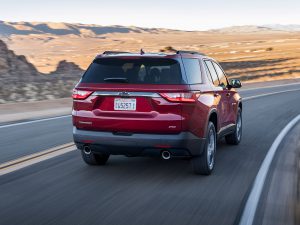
{"x": 80, "y": 95}
{"x": 181, "y": 97}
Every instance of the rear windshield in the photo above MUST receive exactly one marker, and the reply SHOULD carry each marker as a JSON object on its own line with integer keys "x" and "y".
{"x": 134, "y": 71}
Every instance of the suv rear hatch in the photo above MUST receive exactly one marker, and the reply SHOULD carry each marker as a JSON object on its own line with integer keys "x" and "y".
{"x": 131, "y": 95}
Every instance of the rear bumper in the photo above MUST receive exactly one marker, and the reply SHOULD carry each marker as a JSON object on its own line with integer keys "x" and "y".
{"x": 182, "y": 144}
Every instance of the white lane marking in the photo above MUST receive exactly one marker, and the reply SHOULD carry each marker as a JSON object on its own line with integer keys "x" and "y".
{"x": 254, "y": 196}
{"x": 28, "y": 160}
{"x": 274, "y": 86}
{"x": 272, "y": 93}
{"x": 34, "y": 121}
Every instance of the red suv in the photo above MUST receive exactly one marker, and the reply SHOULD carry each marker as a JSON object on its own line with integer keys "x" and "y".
{"x": 168, "y": 105}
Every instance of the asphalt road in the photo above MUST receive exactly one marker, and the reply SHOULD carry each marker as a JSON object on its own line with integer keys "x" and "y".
{"x": 138, "y": 191}
{"x": 26, "y": 139}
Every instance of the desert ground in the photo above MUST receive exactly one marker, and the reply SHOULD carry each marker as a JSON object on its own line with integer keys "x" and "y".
{"x": 251, "y": 54}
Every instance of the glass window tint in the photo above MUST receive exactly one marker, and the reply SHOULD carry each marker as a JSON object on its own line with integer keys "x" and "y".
{"x": 192, "y": 70}
{"x": 221, "y": 75}
{"x": 208, "y": 73}
{"x": 212, "y": 72}
{"x": 134, "y": 71}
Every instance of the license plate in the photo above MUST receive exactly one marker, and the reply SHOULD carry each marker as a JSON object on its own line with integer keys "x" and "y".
{"x": 128, "y": 104}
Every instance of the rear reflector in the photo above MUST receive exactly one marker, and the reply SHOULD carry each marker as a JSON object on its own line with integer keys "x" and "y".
{"x": 81, "y": 95}
{"x": 87, "y": 141}
{"x": 162, "y": 146}
{"x": 181, "y": 97}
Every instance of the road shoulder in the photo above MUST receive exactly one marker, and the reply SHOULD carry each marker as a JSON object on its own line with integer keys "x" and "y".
{"x": 279, "y": 203}
{"x": 23, "y": 111}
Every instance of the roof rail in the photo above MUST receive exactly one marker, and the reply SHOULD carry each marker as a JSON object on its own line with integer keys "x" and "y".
{"x": 189, "y": 52}
{"x": 114, "y": 52}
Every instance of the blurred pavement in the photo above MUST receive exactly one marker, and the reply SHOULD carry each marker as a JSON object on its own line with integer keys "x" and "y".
{"x": 23, "y": 111}
{"x": 280, "y": 203}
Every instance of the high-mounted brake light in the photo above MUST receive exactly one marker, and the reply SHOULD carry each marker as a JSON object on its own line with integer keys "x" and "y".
{"x": 80, "y": 95}
{"x": 181, "y": 97}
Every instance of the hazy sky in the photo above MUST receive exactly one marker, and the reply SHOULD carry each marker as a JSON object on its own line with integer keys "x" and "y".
{"x": 178, "y": 14}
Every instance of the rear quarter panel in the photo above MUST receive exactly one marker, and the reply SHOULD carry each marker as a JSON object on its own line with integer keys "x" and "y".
{"x": 196, "y": 115}
{"x": 234, "y": 103}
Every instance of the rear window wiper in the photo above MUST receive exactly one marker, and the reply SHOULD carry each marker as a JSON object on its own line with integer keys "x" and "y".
{"x": 116, "y": 79}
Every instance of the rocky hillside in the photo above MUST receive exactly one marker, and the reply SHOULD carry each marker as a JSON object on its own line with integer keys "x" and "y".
{"x": 20, "y": 80}
{"x": 12, "y": 65}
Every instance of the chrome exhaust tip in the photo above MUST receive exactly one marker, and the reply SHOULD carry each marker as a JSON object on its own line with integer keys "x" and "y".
{"x": 166, "y": 155}
{"x": 87, "y": 150}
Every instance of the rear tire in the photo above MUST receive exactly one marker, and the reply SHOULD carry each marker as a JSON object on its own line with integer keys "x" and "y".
{"x": 236, "y": 137}
{"x": 94, "y": 159}
{"x": 204, "y": 164}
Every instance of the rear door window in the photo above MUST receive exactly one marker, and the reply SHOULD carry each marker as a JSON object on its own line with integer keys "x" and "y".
{"x": 208, "y": 73}
{"x": 134, "y": 71}
{"x": 212, "y": 72}
{"x": 192, "y": 70}
{"x": 221, "y": 75}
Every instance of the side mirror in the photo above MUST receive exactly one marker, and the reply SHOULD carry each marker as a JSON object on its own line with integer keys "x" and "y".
{"x": 235, "y": 83}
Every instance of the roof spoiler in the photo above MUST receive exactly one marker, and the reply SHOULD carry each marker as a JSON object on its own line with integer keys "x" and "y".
{"x": 114, "y": 52}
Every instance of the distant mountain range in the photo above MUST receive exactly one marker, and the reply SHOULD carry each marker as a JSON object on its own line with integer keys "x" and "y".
{"x": 291, "y": 27}
{"x": 263, "y": 28}
{"x": 26, "y": 28}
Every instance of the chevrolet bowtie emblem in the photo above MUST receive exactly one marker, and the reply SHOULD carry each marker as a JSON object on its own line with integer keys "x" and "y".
{"x": 124, "y": 94}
